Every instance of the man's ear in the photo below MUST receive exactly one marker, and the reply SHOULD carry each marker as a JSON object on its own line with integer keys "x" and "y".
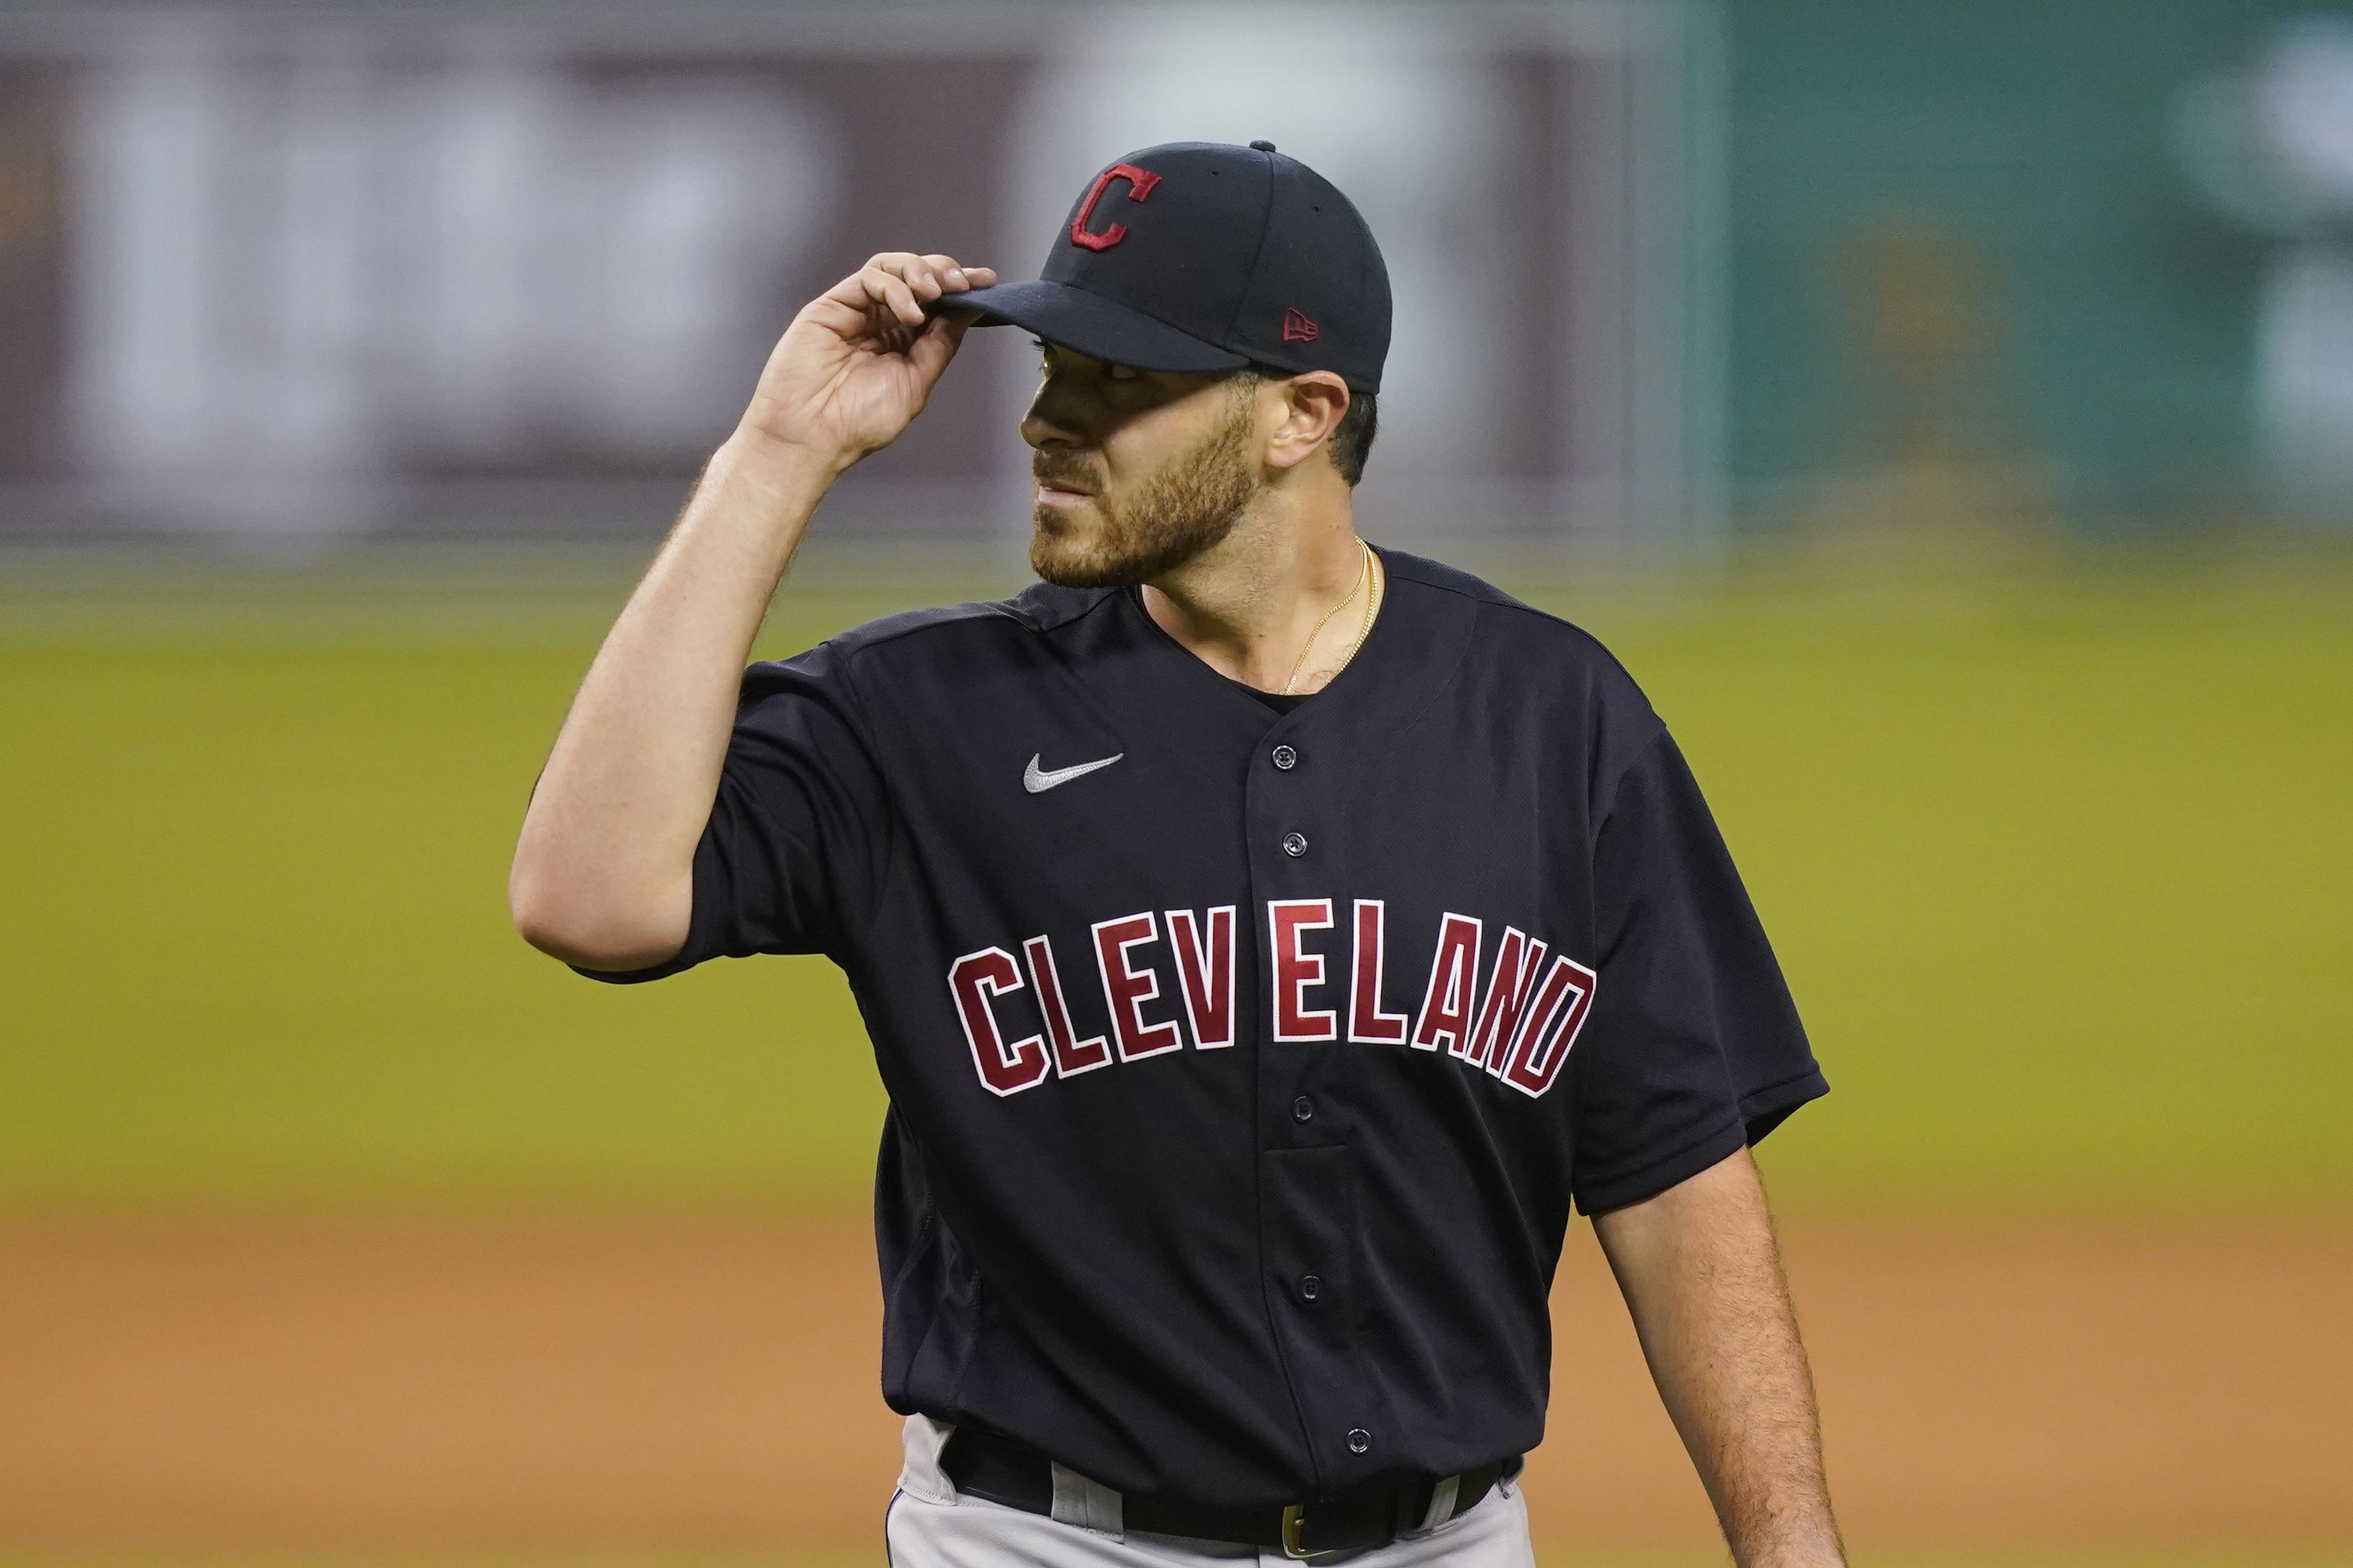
{"x": 1313, "y": 403}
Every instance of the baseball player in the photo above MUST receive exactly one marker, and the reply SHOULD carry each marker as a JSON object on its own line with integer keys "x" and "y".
{"x": 1266, "y": 939}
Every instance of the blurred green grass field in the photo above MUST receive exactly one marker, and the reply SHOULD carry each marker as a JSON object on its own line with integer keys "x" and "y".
{"x": 2057, "y": 860}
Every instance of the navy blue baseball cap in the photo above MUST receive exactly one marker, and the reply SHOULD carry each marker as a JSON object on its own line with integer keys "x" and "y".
{"x": 1197, "y": 256}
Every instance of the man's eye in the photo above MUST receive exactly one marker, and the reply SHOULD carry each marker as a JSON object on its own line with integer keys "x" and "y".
{"x": 1120, "y": 372}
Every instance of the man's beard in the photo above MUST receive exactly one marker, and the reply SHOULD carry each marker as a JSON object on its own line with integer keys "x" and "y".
{"x": 1189, "y": 506}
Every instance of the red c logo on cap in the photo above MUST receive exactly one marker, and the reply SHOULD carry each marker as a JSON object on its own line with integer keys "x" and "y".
{"x": 1139, "y": 185}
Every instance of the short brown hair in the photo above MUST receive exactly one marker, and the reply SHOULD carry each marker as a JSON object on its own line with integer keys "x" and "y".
{"x": 1352, "y": 438}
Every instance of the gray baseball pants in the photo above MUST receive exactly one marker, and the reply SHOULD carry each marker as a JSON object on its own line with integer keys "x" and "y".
{"x": 930, "y": 1526}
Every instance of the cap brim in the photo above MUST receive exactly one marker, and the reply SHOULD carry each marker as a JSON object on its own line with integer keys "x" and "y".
{"x": 1099, "y": 328}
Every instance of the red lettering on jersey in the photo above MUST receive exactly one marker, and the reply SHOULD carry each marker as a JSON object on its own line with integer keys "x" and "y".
{"x": 1519, "y": 959}
{"x": 1449, "y": 1001}
{"x": 1205, "y": 975}
{"x": 1125, "y": 990}
{"x": 973, "y": 979}
{"x": 1139, "y": 185}
{"x": 1295, "y": 969}
{"x": 1073, "y": 1055}
{"x": 1367, "y": 1025}
{"x": 1546, "y": 1038}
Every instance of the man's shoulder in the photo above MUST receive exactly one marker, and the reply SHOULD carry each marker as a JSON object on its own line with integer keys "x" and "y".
{"x": 1040, "y": 607}
{"x": 919, "y": 635}
{"x": 1508, "y": 624}
{"x": 1542, "y": 668}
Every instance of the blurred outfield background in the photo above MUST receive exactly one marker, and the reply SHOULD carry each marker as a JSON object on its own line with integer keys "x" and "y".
{"x": 2055, "y": 858}
{"x": 1945, "y": 410}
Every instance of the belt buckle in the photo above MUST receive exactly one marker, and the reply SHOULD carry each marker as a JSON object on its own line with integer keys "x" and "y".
{"x": 1295, "y": 1523}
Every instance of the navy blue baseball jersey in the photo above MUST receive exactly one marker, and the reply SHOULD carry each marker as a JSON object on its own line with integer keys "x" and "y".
{"x": 1245, "y": 1061}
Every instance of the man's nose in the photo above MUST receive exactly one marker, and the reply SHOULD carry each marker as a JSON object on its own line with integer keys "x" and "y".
{"x": 1060, "y": 416}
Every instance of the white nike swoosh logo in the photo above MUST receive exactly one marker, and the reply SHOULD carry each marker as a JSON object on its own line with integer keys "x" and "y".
{"x": 1038, "y": 780}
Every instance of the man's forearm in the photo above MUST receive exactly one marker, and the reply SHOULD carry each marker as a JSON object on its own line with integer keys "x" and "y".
{"x": 604, "y": 872}
{"x": 1702, "y": 1276}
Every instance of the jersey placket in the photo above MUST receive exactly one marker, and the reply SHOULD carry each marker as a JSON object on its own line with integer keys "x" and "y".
{"x": 1308, "y": 1225}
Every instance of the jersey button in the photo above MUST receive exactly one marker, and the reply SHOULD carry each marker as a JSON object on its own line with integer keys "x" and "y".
{"x": 1310, "y": 1287}
{"x": 1359, "y": 1439}
{"x": 1302, "y": 1110}
{"x": 1294, "y": 844}
{"x": 1285, "y": 758}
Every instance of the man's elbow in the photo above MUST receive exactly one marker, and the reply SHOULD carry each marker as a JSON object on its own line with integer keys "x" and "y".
{"x": 611, "y": 935}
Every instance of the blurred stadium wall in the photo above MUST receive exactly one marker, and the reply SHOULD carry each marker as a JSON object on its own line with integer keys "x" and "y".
{"x": 368, "y": 268}
{"x": 2080, "y": 263}
{"x": 1665, "y": 271}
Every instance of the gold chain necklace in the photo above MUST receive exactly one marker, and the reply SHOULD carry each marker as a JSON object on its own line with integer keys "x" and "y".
{"x": 1364, "y": 579}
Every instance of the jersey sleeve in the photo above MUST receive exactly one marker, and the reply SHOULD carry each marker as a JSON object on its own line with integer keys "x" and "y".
{"x": 1693, "y": 1047}
{"x": 792, "y": 855}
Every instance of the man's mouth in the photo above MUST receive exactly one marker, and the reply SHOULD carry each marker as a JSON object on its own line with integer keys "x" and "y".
{"x": 1063, "y": 489}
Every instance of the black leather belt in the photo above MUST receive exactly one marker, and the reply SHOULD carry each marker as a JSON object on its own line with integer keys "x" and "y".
{"x": 1001, "y": 1471}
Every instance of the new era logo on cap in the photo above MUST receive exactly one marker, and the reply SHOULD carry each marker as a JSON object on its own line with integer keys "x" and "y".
{"x": 1198, "y": 256}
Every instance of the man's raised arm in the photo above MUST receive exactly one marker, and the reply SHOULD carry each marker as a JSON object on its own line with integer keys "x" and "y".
{"x": 604, "y": 872}
{"x": 1702, "y": 1275}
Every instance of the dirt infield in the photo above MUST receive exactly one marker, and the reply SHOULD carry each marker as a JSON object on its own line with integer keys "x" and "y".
{"x": 709, "y": 1383}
